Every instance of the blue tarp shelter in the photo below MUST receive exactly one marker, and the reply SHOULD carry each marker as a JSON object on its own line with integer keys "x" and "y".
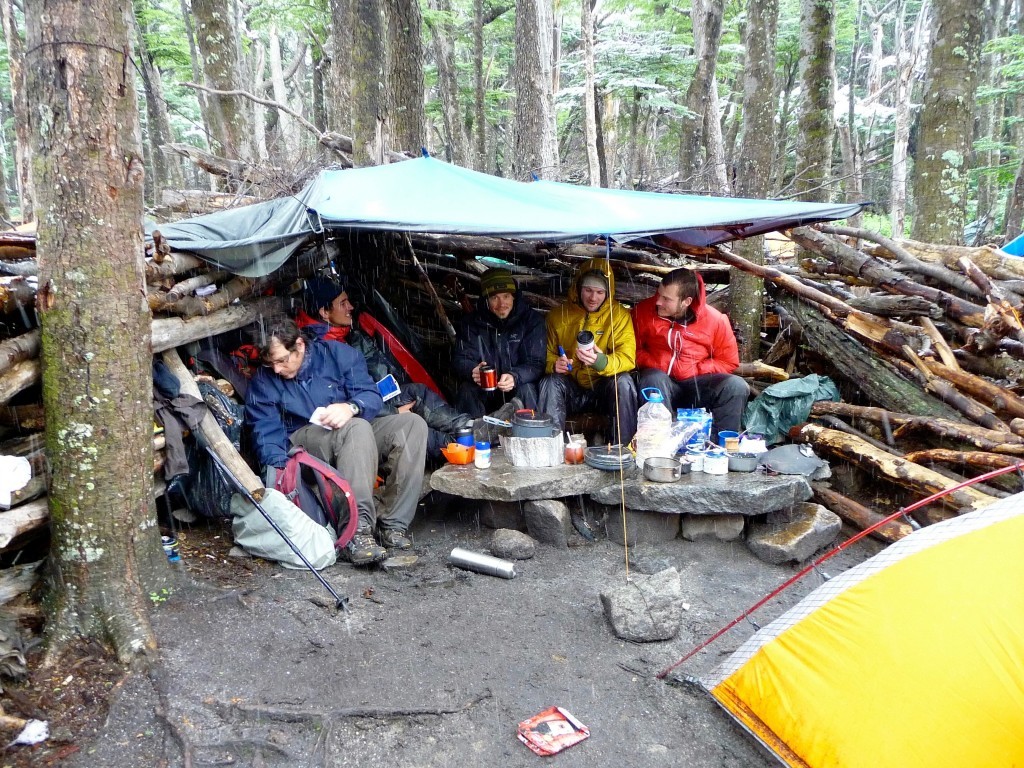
{"x": 428, "y": 195}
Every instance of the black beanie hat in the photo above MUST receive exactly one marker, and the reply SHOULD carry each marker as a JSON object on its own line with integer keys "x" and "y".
{"x": 319, "y": 293}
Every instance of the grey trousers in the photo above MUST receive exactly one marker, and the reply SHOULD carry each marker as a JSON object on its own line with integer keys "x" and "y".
{"x": 357, "y": 449}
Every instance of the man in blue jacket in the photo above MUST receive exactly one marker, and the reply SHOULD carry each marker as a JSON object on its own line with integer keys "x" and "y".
{"x": 506, "y": 333}
{"x": 320, "y": 397}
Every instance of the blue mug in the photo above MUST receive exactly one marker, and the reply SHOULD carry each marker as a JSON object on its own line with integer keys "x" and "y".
{"x": 464, "y": 436}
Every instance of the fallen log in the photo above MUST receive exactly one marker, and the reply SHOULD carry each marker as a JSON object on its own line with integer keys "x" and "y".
{"x": 19, "y": 522}
{"x": 17, "y": 580}
{"x": 998, "y": 398}
{"x": 859, "y": 516}
{"x": 16, "y": 294}
{"x": 940, "y": 273}
{"x": 858, "y": 364}
{"x": 976, "y": 459}
{"x": 887, "y": 305}
{"x": 176, "y": 263}
{"x": 211, "y": 432}
{"x": 906, "y": 474}
{"x": 761, "y": 370}
{"x": 939, "y": 342}
{"x": 21, "y": 376}
{"x": 19, "y": 348}
{"x": 995, "y": 263}
{"x": 947, "y": 393}
{"x": 199, "y": 201}
{"x": 853, "y": 262}
{"x": 170, "y": 332}
{"x": 905, "y": 423}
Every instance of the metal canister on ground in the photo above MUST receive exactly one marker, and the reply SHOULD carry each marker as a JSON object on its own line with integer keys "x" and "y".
{"x": 488, "y": 378}
{"x": 171, "y": 549}
{"x": 474, "y": 561}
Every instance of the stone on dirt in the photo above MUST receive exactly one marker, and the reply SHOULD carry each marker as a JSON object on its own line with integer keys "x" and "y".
{"x": 502, "y": 514}
{"x": 722, "y": 527}
{"x": 793, "y": 534}
{"x": 641, "y": 527}
{"x": 642, "y": 562}
{"x": 548, "y": 522}
{"x": 512, "y": 545}
{"x": 645, "y": 609}
{"x": 737, "y": 493}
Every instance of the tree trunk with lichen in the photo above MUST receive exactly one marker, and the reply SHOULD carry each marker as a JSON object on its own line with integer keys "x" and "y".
{"x": 818, "y": 81}
{"x": 371, "y": 130}
{"x": 944, "y": 145}
{"x": 754, "y": 166}
{"x": 228, "y": 116}
{"x": 97, "y": 383}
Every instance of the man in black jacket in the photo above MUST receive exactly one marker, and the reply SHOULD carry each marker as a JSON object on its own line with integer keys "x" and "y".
{"x": 507, "y": 333}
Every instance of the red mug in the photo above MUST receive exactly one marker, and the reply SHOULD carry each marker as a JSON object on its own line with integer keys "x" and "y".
{"x": 488, "y": 378}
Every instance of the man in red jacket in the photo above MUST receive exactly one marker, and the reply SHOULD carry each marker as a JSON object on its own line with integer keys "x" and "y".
{"x": 688, "y": 350}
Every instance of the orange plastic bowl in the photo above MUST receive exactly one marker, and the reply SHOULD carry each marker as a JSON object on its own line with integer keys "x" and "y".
{"x": 457, "y": 453}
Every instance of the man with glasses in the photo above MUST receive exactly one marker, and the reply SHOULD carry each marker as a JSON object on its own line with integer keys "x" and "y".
{"x": 320, "y": 397}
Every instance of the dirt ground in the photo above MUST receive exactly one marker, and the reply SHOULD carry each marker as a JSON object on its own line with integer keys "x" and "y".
{"x": 432, "y": 666}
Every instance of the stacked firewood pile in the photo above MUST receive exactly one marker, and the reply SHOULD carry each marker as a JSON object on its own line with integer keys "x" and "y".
{"x": 926, "y": 343}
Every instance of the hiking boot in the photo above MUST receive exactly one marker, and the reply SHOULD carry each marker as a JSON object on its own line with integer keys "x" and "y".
{"x": 394, "y": 538}
{"x": 363, "y": 550}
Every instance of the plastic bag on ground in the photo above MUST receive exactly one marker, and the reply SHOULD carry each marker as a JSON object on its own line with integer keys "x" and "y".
{"x": 256, "y": 536}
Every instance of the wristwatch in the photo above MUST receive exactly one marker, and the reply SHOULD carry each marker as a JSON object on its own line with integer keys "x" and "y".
{"x": 356, "y": 410}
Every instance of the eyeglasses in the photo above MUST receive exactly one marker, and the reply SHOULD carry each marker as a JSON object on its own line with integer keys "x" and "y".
{"x": 271, "y": 362}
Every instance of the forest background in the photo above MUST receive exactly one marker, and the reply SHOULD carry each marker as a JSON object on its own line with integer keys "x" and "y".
{"x": 913, "y": 104}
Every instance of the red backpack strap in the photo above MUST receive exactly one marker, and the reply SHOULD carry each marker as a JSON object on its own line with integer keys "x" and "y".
{"x": 327, "y": 476}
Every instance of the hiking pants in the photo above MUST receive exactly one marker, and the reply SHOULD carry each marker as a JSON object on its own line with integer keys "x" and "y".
{"x": 561, "y": 395}
{"x": 724, "y": 394}
{"x": 356, "y": 449}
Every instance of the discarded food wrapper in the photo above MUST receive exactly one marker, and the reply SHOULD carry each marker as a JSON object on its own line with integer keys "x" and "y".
{"x": 551, "y": 731}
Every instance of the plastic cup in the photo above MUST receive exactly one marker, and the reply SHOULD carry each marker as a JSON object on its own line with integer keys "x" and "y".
{"x": 574, "y": 452}
{"x": 729, "y": 440}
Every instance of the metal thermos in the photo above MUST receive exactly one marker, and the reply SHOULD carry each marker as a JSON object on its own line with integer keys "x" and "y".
{"x": 473, "y": 561}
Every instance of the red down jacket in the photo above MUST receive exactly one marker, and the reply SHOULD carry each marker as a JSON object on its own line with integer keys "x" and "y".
{"x": 704, "y": 345}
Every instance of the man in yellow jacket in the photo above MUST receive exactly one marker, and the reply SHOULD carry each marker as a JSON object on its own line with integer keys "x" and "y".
{"x": 590, "y": 351}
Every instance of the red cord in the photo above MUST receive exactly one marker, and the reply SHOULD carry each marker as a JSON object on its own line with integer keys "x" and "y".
{"x": 855, "y": 538}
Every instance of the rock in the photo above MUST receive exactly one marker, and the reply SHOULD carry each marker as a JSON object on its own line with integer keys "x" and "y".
{"x": 502, "y": 514}
{"x": 642, "y": 527}
{"x": 534, "y": 451}
{"x": 648, "y": 564}
{"x": 737, "y": 493}
{"x": 548, "y": 522}
{"x": 793, "y": 534}
{"x": 645, "y": 609}
{"x": 237, "y": 551}
{"x": 512, "y": 545}
{"x": 722, "y": 527}
{"x": 503, "y": 482}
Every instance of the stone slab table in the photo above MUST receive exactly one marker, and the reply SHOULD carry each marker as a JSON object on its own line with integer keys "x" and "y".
{"x": 737, "y": 493}
{"x": 503, "y": 482}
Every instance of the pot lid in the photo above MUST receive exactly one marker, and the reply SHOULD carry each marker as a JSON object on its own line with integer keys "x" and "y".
{"x": 528, "y": 418}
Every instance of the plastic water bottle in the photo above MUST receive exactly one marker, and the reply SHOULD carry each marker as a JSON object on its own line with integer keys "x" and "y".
{"x": 653, "y": 426}
{"x": 482, "y": 455}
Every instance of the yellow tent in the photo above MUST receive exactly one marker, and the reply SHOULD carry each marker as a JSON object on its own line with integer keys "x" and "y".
{"x": 912, "y": 658}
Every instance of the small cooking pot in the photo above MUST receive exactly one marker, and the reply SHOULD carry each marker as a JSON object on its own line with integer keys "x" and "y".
{"x": 664, "y": 469}
{"x": 743, "y": 462}
{"x": 528, "y": 423}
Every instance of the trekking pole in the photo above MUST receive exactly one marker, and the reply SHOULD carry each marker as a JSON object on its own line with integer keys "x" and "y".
{"x": 341, "y": 603}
